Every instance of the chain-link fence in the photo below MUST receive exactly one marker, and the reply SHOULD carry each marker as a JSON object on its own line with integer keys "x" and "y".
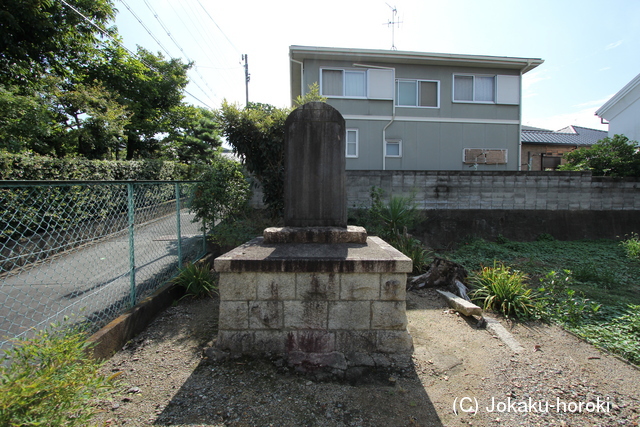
{"x": 89, "y": 249}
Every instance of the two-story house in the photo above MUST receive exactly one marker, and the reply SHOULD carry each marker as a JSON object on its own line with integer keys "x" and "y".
{"x": 419, "y": 111}
{"x": 622, "y": 111}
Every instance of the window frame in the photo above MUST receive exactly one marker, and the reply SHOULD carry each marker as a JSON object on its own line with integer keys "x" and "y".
{"x": 344, "y": 72}
{"x": 417, "y": 83}
{"x": 346, "y": 145}
{"x": 393, "y": 141}
{"x": 474, "y": 101}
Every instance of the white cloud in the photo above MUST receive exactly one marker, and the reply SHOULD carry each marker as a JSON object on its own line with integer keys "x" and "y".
{"x": 604, "y": 69}
{"x": 613, "y": 45}
{"x": 597, "y": 103}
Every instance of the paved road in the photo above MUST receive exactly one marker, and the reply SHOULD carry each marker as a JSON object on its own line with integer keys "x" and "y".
{"x": 94, "y": 280}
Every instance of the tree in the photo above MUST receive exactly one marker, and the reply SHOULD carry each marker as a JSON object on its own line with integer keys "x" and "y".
{"x": 24, "y": 121}
{"x": 193, "y": 136}
{"x": 256, "y": 133}
{"x": 616, "y": 157}
{"x": 149, "y": 87}
{"x": 39, "y": 37}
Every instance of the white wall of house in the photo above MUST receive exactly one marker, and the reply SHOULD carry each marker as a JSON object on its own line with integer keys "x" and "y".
{"x": 622, "y": 111}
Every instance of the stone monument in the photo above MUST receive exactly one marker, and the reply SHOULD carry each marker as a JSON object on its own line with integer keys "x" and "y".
{"x": 319, "y": 293}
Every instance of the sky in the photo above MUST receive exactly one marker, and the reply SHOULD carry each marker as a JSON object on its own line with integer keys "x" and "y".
{"x": 591, "y": 48}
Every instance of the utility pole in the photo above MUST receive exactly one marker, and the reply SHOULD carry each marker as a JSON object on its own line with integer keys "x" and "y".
{"x": 247, "y": 76}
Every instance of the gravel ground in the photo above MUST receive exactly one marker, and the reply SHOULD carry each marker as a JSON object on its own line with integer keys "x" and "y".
{"x": 460, "y": 376}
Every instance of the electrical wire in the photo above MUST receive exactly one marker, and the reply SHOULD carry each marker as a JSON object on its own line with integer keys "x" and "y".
{"x": 106, "y": 34}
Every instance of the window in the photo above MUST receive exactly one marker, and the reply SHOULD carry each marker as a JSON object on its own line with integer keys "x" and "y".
{"x": 343, "y": 83}
{"x": 352, "y": 143}
{"x": 474, "y": 88}
{"x": 486, "y": 156}
{"x": 418, "y": 93}
{"x": 393, "y": 148}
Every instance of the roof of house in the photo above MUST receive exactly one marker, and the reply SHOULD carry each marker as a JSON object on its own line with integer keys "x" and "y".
{"x": 409, "y": 57}
{"x": 570, "y": 135}
{"x": 611, "y": 108}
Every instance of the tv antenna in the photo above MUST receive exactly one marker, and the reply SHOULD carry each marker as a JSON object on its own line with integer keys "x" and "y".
{"x": 392, "y": 23}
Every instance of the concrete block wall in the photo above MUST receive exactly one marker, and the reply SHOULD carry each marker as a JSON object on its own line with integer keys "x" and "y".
{"x": 330, "y": 319}
{"x": 499, "y": 190}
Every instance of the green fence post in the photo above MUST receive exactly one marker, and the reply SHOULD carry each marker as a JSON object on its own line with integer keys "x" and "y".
{"x": 178, "y": 227}
{"x": 132, "y": 254}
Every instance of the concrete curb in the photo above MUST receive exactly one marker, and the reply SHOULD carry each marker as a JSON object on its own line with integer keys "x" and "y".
{"x": 495, "y": 327}
{"x": 112, "y": 337}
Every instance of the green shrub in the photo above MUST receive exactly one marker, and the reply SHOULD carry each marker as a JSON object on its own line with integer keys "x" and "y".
{"x": 560, "y": 303}
{"x": 413, "y": 248}
{"x": 632, "y": 246}
{"x": 197, "y": 281}
{"x": 50, "y": 380}
{"x": 390, "y": 219}
{"x": 500, "y": 289}
{"x": 222, "y": 193}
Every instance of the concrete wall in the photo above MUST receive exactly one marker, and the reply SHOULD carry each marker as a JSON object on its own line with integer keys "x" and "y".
{"x": 499, "y": 190}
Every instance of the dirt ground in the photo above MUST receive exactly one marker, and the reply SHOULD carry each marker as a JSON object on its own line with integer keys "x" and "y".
{"x": 460, "y": 376}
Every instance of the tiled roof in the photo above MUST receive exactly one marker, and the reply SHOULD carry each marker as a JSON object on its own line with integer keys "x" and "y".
{"x": 571, "y": 135}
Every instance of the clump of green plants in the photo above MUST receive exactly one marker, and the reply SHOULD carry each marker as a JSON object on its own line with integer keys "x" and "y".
{"x": 562, "y": 304}
{"x": 619, "y": 334}
{"x": 391, "y": 221}
{"x": 501, "y": 289}
{"x": 632, "y": 246}
{"x": 413, "y": 248}
{"x": 197, "y": 281}
{"x": 50, "y": 380}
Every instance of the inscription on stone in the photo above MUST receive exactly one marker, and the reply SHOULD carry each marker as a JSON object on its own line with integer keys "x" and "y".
{"x": 314, "y": 187}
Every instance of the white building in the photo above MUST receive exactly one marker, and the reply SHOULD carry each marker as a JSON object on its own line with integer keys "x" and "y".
{"x": 622, "y": 111}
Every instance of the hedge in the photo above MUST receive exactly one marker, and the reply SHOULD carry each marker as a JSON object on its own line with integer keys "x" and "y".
{"x": 30, "y": 167}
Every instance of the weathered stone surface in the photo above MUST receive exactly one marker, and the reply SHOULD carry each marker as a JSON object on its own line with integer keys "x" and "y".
{"x": 463, "y": 306}
{"x": 238, "y": 342}
{"x": 350, "y": 341}
{"x": 351, "y": 234}
{"x": 350, "y": 315}
{"x": 311, "y": 341}
{"x": 393, "y": 287}
{"x": 359, "y": 287}
{"x": 317, "y": 286}
{"x": 266, "y": 315}
{"x": 360, "y": 359}
{"x": 237, "y": 286}
{"x": 394, "y": 342}
{"x": 271, "y": 341}
{"x": 333, "y": 360}
{"x": 314, "y": 186}
{"x": 306, "y": 314}
{"x": 255, "y": 256}
{"x": 234, "y": 315}
{"x": 276, "y": 286}
{"x": 388, "y": 315}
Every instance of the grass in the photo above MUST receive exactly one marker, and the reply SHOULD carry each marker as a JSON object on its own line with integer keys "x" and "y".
{"x": 591, "y": 287}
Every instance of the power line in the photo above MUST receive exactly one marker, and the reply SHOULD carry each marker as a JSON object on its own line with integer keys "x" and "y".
{"x": 216, "y": 24}
{"x": 105, "y": 33}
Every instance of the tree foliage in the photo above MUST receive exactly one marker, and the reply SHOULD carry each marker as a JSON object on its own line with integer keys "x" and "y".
{"x": 616, "y": 157}
{"x": 67, "y": 90}
{"x": 40, "y": 37}
{"x": 256, "y": 134}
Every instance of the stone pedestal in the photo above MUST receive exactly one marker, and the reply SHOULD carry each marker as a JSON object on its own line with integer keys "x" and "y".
{"x": 318, "y": 305}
